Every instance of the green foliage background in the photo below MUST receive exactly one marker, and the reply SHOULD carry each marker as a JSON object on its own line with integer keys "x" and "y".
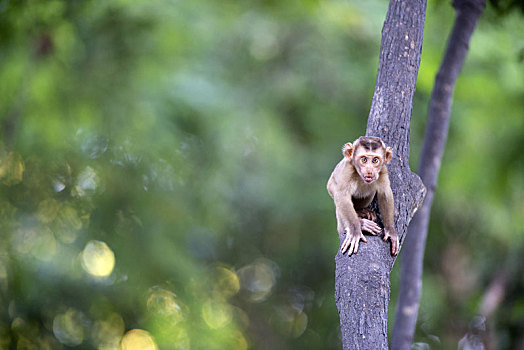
{"x": 189, "y": 142}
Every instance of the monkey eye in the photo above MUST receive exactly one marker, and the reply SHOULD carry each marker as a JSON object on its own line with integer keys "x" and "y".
{"x": 363, "y": 159}
{"x": 375, "y": 160}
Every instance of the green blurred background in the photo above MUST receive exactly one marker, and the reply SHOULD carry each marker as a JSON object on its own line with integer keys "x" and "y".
{"x": 163, "y": 168}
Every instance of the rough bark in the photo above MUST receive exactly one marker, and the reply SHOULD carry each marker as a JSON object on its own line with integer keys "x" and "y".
{"x": 362, "y": 280}
{"x": 467, "y": 15}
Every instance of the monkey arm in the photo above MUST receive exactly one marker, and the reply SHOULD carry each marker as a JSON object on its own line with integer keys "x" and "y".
{"x": 346, "y": 214}
{"x": 386, "y": 206}
{"x": 348, "y": 223}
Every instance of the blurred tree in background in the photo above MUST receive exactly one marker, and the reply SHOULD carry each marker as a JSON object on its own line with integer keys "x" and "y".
{"x": 163, "y": 168}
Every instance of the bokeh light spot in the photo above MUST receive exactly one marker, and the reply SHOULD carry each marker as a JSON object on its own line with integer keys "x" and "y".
{"x": 258, "y": 279}
{"x": 23, "y": 240}
{"x": 3, "y": 277}
{"x": 11, "y": 168}
{"x": 226, "y": 283}
{"x": 36, "y": 241}
{"x": 264, "y": 41}
{"x": 108, "y": 332}
{"x": 87, "y": 181}
{"x": 94, "y": 145}
{"x": 98, "y": 259}
{"x": 163, "y": 302}
{"x": 68, "y": 224}
{"x": 290, "y": 321}
{"x": 216, "y": 314}
{"x": 299, "y": 325}
{"x": 59, "y": 184}
{"x": 240, "y": 342}
{"x": 47, "y": 210}
{"x": 44, "y": 245}
{"x": 68, "y": 327}
{"x": 138, "y": 339}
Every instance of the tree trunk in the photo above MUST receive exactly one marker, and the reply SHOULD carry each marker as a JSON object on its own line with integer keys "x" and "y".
{"x": 362, "y": 280}
{"x": 467, "y": 14}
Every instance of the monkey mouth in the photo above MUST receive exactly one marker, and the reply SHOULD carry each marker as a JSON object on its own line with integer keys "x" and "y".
{"x": 369, "y": 179}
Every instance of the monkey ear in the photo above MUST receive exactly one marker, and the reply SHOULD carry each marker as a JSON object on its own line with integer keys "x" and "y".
{"x": 348, "y": 151}
{"x": 389, "y": 154}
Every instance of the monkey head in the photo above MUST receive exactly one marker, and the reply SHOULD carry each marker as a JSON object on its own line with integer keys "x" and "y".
{"x": 368, "y": 155}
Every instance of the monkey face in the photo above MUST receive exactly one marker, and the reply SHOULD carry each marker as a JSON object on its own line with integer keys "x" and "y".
{"x": 368, "y": 165}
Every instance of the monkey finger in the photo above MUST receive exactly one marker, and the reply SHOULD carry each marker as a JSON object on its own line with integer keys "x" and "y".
{"x": 356, "y": 241}
{"x": 371, "y": 223}
{"x": 397, "y": 246}
{"x": 351, "y": 247}
{"x": 375, "y": 229}
{"x": 370, "y": 226}
{"x": 394, "y": 247}
{"x": 345, "y": 245}
{"x": 363, "y": 238}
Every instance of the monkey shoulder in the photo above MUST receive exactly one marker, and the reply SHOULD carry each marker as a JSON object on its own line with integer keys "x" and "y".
{"x": 383, "y": 182}
{"x": 343, "y": 172}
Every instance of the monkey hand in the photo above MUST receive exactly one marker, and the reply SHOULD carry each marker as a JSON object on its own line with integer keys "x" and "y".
{"x": 370, "y": 226}
{"x": 351, "y": 242}
{"x": 395, "y": 243}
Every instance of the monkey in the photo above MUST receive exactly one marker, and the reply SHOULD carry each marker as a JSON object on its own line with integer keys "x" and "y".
{"x": 357, "y": 178}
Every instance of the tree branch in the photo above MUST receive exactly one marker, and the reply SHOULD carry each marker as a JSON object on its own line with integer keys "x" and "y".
{"x": 467, "y": 15}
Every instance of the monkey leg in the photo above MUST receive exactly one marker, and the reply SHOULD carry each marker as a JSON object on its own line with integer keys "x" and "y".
{"x": 367, "y": 214}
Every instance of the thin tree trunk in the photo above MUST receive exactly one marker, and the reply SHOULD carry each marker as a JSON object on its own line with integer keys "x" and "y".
{"x": 362, "y": 280}
{"x": 467, "y": 15}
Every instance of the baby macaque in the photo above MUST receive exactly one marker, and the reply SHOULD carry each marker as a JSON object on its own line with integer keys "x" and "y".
{"x": 357, "y": 178}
